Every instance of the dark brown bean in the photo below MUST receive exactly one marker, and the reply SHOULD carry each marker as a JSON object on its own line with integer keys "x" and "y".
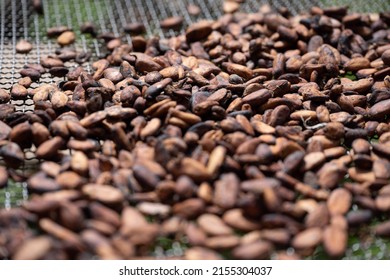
{"x": 172, "y": 22}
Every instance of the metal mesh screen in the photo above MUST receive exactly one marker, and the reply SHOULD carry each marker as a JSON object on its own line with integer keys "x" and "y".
{"x": 19, "y": 21}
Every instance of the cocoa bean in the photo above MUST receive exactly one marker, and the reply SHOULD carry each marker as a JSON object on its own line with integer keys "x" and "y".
{"x": 23, "y": 46}
{"x": 66, "y": 38}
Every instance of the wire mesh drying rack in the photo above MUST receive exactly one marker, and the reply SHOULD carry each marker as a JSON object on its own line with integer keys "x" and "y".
{"x": 18, "y": 20}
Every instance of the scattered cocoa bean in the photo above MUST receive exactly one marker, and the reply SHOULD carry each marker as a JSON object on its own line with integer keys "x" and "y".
{"x": 172, "y": 22}
{"x": 66, "y": 38}
{"x": 23, "y": 46}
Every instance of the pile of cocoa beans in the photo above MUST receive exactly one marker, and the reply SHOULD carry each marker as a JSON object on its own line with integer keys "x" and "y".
{"x": 254, "y": 136}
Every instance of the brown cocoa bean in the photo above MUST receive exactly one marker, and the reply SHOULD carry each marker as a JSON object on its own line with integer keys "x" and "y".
{"x": 18, "y": 92}
{"x": 103, "y": 193}
{"x": 12, "y": 154}
{"x": 200, "y": 253}
{"x": 60, "y": 232}
{"x": 213, "y": 225}
{"x": 23, "y": 46}
{"x": 33, "y": 249}
{"x": 256, "y": 250}
{"x": 308, "y": 238}
{"x": 3, "y": 177}
{"x": 383, "y": 229}
{"x": 171, "y": 22}
{"x": 198, "y": 31}
{"x": 335, "y": 241}
{"x": 66, "y": 38}
{"x": 134, "y": 28}
{"x": 339, "y": 201}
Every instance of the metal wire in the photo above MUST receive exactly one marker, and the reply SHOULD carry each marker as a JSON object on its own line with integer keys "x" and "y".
{"x": 164, "y": 14}
{"x": 122, "y": 18}
{"x": 96, "y": 46}
{"x": 102, "y": 23}
{"x": 83, "y": 39}
{"x": 13, "y": 39}
{"x": 143, "y": 17}
{"x": 214, "y": 7}
{"x": 153, "y": 14}
{"x": 205, "y": 9}
{"x": 49, "y": 48}
{"x": 183, "y": 11}
{"x": 2, "y": 35}
{"x": 111, "y": 18}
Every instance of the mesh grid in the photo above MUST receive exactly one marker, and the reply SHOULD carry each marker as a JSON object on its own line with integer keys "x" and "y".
{"x": 19, "y": 21}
